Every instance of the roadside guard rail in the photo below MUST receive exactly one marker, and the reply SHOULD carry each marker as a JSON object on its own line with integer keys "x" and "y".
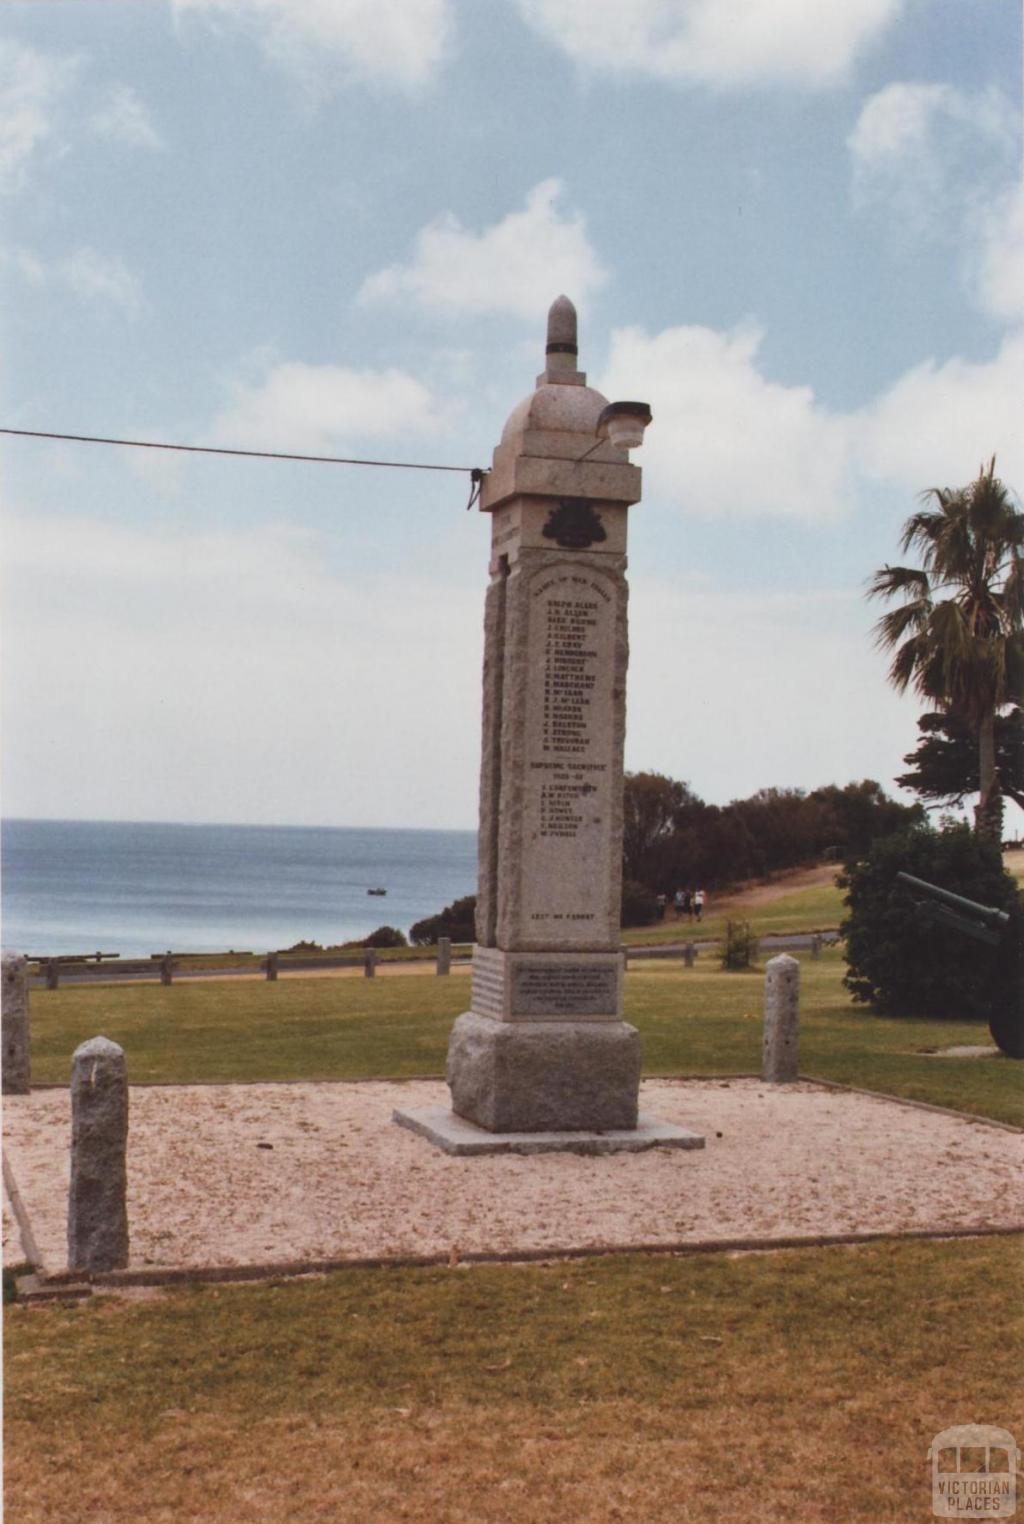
{"x": 51, "y": 972}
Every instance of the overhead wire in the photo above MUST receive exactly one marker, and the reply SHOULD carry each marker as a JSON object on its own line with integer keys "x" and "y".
{"x": 474, "y": 472}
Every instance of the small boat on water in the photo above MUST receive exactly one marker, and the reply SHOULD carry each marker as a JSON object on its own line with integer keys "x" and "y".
{"x": 376, "y": 891}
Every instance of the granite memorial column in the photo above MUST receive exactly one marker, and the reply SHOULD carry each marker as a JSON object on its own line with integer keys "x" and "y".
{"x": 544, "y": 1046}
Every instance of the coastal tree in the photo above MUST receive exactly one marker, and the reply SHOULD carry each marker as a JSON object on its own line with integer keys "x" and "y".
{"x": 943, "y": 767}
{"x": 454, "y": 921}
{"x": 651, "y": 804}
{"x": 860, "y": 813}
{"x": 957, "y": 631}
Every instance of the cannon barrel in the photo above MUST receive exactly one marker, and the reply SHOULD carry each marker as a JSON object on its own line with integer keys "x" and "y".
{"x": 985, "y": 913}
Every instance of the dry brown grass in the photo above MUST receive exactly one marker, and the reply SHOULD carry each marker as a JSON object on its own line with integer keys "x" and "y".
{"x": 602, "y": 1462}
{"x": 788, "y": 1387}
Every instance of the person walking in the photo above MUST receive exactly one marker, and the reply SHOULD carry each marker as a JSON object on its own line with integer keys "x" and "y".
{"x": 679, "y": 903}
{"x": 698, "y": 904}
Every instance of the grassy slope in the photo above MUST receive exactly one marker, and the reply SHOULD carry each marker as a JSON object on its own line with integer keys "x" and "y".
{"x": 696, "y": 1021}
{"x": 815, "y": 908}
{"x": 782, "y": 906}
{"x": 797, "y": 1386}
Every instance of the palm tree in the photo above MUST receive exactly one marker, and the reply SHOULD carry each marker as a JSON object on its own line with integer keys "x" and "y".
{"x": 958, "y": 634}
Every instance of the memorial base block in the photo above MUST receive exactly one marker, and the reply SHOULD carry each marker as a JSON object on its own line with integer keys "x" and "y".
{"x": 465, "y": 1139}
{"x": 544, "y": 1076}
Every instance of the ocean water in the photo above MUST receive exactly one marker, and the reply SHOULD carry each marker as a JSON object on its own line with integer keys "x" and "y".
{"x": 77, "y": 886}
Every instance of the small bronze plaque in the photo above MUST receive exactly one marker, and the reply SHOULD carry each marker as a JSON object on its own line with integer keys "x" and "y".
{"x": 565, "y": 989}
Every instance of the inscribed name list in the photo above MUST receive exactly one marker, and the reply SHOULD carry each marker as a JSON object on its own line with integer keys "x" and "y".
{"x": 569, "y": 769}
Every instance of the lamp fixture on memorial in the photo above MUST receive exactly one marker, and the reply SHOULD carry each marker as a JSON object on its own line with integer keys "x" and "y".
{"x": 621, "y": 424}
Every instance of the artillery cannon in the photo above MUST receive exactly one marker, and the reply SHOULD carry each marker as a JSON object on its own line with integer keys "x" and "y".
{"x": 996, "y": 928}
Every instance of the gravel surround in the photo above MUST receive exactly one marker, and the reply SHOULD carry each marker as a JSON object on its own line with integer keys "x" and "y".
{"x": 222, "y": 1175}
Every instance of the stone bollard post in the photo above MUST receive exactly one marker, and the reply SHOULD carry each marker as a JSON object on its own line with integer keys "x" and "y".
{"x": 166, "y": 970}
{"x": 689, "y": 954}
{"x": 815, "y": 948}
{"x": 272, "y": 966}
{"x": 370, "y": 962}
{"x": 444, "y": 955}
{"x": 781, "y": 1020}
{"x": 52, "y": 973}
{"x": 97, "y": 1200}
{"x": 16, "y": 1065}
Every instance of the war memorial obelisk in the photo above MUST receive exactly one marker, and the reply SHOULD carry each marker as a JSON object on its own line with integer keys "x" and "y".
{"x": 543, "y": 1052}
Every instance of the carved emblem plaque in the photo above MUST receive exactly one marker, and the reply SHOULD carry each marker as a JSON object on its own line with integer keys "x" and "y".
{"x": 574, "y": 525}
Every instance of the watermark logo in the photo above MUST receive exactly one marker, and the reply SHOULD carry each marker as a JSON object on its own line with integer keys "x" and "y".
{"x": 974, "y": 1472}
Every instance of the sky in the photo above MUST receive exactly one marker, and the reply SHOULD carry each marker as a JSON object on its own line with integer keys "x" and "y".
{"x": 335, "y": 227}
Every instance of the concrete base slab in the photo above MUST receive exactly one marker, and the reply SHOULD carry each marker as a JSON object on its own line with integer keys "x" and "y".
{"x": 456, "y": 1136}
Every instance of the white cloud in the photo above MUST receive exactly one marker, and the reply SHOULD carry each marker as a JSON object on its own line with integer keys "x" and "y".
{"x": 815, "y": 705}
{"x": 103, "y": 277}
{"x": 729, "y": 442}
{"x": 931, "y": 152}
{"x": 91, "y": 275}
{"x": 726, "y": 439}
{"x": 25, "y": 264}
{"x": 513, "y": 266}
{"x": 235, "y": 677}
{"x": 897, "y": 121}
{"x": 31, "y": 84}
{"x": 999, "y": 267}
{"x": 317, "y": 408}
{"x": 723, "y": 43}
{"x": 400, "y": 41}
{"x": 124, "y": 118}
{"x": 938, "y": 423}
{"x": 901, "y": 122}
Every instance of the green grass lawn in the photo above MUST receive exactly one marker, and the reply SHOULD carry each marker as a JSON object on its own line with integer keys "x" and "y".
{"x": 798, "y": 1386}
{"x": 801, "y": 1386}
{"x": 692, "y": 1021}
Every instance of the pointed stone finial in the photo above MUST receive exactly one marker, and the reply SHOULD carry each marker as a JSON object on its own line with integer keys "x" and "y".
{"x": 561, "y": 350}
{"x": 561, "y": 327}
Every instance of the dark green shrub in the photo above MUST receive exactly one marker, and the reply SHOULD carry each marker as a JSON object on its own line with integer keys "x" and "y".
{"x": 1006, "y": 1022}
{"x": 454, "y": 921}
{"x": 739, "y": 949}
{"x": 897, "y": 961}
{"x": 639, "y": 905}
{"x": 384, "y": 936}
{"x": 11, "y": 1276}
